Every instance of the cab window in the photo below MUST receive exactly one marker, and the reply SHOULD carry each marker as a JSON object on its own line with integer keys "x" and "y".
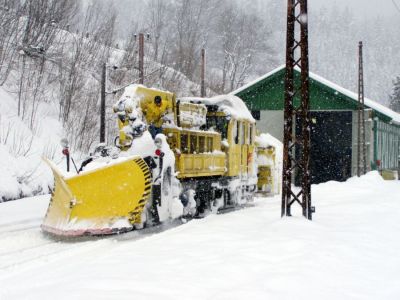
{"x": 242, "y": 133}
{"x": 219, "y": 124}
{"x": 193, "y": 144}
{"x": 251, "y": 134}
{"x": 202, "y": 144}
{"x": 235, "y": 131}
{"x": 184, "y": 144}
{"x": 210, "y": 144}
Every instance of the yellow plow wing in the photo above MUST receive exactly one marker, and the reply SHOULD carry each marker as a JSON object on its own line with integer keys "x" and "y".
{"x": 106, "y": 200}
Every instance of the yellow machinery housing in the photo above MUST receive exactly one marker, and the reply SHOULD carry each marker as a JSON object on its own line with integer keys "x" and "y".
{"x": 216, "y": 161}
{"x": 147, "y": 95}
{"x": 266, "y": 157}
{"x": 202, "y": 153}
{"x": 145, "y": 98}
{"x": 197, "y": 153}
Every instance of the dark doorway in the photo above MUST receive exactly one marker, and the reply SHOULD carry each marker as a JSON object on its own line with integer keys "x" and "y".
{"x": 331, "y": 137}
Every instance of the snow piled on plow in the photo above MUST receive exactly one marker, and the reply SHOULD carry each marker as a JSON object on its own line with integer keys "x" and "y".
{"x": 349, "y": 251}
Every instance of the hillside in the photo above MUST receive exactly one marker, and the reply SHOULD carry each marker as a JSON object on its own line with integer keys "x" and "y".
{"x": 37, "y": 131}
{"x": 22, "y": 172}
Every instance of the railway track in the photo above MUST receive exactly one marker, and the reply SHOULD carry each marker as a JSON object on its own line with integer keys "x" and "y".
{"x": 24, "y": 246}
{"x": 28, "y": 247}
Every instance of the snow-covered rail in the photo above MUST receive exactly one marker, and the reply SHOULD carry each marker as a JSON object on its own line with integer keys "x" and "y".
{"x": 24, "y": 246}
{"x": 22, "y": 225}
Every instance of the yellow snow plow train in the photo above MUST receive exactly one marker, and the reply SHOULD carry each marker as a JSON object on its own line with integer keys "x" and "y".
{"x": 175, "y": 158}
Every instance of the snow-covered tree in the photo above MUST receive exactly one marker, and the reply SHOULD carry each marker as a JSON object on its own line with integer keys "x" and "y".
{"x": 9, "y": 24}
{"x": 191, "y": 24}
{"x": 239, "y": 37}
{"x": 395, "y": 96}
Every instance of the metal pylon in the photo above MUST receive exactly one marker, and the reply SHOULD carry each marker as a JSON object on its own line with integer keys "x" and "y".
{"x": 297, "y": 56}
{"x": 361, "y": 144}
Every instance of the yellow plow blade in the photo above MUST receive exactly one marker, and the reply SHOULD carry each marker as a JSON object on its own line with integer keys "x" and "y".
{"x": 106, "y": 200}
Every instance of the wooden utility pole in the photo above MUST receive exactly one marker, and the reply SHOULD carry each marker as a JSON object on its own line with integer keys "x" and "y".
{"x": 103, "y": 105}
{"x": 297, "y": 14}
{"x": 203, "y": 73}
{"x": 141, "y": 58}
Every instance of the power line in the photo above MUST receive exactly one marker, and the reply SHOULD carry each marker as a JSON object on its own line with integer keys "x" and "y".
{"x": 396, "y": 5}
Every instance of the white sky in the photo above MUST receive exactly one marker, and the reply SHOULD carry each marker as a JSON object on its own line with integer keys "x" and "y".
{"x": 363, "y": 7}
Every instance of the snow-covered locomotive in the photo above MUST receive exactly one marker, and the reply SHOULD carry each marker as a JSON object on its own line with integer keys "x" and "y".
{"x": 176, "y": 158}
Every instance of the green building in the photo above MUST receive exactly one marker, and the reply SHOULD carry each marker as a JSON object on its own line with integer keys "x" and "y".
{"x": 334, "y": 124}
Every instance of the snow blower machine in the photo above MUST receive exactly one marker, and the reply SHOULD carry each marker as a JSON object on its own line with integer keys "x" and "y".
{"x": 172, "y": 159}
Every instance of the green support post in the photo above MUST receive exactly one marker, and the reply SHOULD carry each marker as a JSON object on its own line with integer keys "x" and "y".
{"x": 374, "y": 163}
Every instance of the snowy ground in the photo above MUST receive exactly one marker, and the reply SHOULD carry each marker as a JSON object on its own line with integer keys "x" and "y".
{"x": 22, "y": 172}
{"x": 351, "y": 250}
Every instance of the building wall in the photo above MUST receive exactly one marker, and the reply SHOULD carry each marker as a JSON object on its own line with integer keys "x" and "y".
{"x": 267, "y": 96}
{"x": 271, "y": 121}
{"x": 383, "y": 144}
{"x": 369, "y": 138}
{"x": 331, "y": 145}
{"x": 387, "y": 144}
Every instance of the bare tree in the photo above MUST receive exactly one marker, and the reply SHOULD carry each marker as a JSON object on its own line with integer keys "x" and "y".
{"x": 40, "y": 21}
{"x": 239, "y": 35}
{"x": 84, "y": 54}
{"x": 396, "y": 5}
{"x": 79, "y": 75}
{"x": 192, "y": 23}
{"x": 10, "y": 12}
{"x": 43, "y": 19}
{"x": 158, "y": 23}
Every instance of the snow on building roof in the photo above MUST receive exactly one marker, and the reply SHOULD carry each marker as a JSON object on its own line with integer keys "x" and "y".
{"x": 368, "y": 102}
{"x": 246, "y": 86}
{"x": 230, "y": 104}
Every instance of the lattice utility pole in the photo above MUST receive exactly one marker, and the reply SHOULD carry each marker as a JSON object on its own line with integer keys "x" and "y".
{"x": 361, "y": 145}
{"x": 297, "y": 56}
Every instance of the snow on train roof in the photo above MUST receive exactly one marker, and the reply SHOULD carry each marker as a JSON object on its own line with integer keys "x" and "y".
{"x": 229, "y": 104}
{"x": 368, "y": 102}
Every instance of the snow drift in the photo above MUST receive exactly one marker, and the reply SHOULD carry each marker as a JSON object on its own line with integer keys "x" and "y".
{"x": 349, "y": 251}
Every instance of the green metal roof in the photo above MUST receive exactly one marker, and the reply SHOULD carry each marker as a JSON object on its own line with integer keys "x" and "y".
{"x": 267, "y": 93}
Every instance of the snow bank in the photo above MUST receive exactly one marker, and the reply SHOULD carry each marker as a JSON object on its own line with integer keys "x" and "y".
{"x": 22, "y": 172}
